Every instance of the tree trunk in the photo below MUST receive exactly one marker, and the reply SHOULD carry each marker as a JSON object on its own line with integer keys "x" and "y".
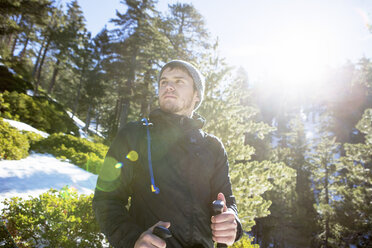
{"x": 55, "y": 73}
{"x": 118, "y": 112}
{"x": 144, "y": 107}
{"x": 114, "y": 124}
{"x": 128, "y": 93}
{"x": 24, "y": 49}
{"x": 14, "y": 46}
{"x": 327, "y": 202}
{"x": 38, "y": 58}
{"x": 10, "y": 45}
{"x": 87, "y": 121}
{"x": 145, "y": 103}
{"x": 19, "y": 22}
{"x": 40, "y": 68}
{"x": 76, "y": 104}
{"x": 97, "y": 121}
{"x": 124, "y": 113}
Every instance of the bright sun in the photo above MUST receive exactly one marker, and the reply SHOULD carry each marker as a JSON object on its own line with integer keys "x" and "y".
{"x": 298, "y": 59}
{"x": 301, "y": 56}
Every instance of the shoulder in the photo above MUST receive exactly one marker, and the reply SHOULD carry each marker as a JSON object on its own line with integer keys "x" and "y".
{"x": 129, "y": 128}
{"x": 127, "y": 137}
{"x": 213, "y": 141}
{"x": 129, "y": 133}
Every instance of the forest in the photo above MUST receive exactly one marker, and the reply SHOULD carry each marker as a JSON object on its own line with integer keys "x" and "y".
{"x": 300, "y": 164}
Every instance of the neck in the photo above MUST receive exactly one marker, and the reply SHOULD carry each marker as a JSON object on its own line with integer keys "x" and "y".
{"x": 188, "y": 114}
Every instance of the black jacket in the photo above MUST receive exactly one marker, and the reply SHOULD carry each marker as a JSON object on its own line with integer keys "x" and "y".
{"x": 189, "y": 167}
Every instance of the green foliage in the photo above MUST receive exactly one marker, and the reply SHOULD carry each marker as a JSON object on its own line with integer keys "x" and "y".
{"x": 38, "y": 112}
{"x": 6, "y": 240}
{"x": 10, "y": 82}
{"x": 353, "y": 208}
{"x": 96, "y": 139}
{"x": 29, "y": 10}
{"x": 84, "y": 153}
{"x": 32, "y": 137}
{"x": 252, "y": 181}
{"x": 13, "y": 145}
{"x": 292, "y": 207}
{"x": 230, "y": 117}
{"x": 5, "y": 108}
{"x": 245, "y": 242}
{"x": 54, "y": 219}
{"x": 323, "y": 163}
{"x": 55, "y": 49}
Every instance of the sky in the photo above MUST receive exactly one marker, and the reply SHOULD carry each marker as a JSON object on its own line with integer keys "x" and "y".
{"x": 273, "y": 39}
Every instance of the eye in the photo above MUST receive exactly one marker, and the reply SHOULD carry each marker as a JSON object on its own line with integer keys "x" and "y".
{"x": 179, "y": 82}
{"x": 162, "y": 83}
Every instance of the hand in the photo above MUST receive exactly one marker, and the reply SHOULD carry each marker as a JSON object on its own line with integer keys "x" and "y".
{"x": 149, "y": 240}
{"x": 224, "y": 225}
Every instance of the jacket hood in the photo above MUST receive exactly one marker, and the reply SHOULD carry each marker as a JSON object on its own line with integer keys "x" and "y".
{"x": 159, "y": 116}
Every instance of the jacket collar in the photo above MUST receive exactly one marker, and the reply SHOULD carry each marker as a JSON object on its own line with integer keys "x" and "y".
{"x": 159, "y": 116}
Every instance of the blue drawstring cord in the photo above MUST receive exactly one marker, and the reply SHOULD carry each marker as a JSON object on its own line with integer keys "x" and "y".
{"x": 153, "y": 187}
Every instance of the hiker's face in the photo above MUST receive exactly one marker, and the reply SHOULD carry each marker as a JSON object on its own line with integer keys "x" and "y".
{"x": 176, "y": 92}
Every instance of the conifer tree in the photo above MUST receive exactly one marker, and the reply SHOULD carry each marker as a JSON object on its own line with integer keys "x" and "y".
{"x": 354, "y": 189}
{"x": 229, "y": 119}
{"x": 49, "y": 35}
{"x": 70, "y": 35}
{"x": 291, "y": 222}
{"x": 323, "y": 164}
{"x": 185, "y": 30}
{"x": 133, "y": 34}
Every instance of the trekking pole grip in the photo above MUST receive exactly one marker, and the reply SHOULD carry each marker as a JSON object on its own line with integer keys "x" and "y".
{"x": 217, "y": 209}
{"x": 162, "y": 232}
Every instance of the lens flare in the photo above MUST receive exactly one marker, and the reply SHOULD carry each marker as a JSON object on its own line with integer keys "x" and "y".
{"x": 364, "y": 16}
{"x": 67, "y": 191}
{"x": 132, "y": 156}
{"x": 119, "y": 165}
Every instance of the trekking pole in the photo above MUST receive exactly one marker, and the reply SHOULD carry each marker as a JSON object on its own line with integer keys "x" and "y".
{"x": 217, "y": 206}
{"x": 162, "y": 232}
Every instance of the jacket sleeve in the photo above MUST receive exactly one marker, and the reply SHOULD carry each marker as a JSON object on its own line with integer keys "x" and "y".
{"x": 112, "y": 192}
{"x": 221, "y": 183}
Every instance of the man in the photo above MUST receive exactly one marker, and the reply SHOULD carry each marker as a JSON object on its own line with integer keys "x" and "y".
{"x": 179, "y": 172}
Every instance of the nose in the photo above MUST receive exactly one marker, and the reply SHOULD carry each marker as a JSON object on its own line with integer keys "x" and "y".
{"x": 169, "y": 86}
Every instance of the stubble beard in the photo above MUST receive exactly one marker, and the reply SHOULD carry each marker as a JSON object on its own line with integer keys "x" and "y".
{"x": 175, "y": 108}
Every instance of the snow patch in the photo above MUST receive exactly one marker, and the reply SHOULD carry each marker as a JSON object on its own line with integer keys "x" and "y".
{"x": 80, "y": 124}
{"x": 37, "y": 173}
{"x": 25, "y": 127}
{"x": 30, "y": 92}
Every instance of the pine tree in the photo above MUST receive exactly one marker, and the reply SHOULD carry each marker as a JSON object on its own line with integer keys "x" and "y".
{"x": 70, "y": 35}
{"x": 323, "y": 160}
{"x": 354, "y": 189}
{"x": 292, "y": 213}
{"x": 20, "y": 22}
{"x": 229, "y": 119}
{"x": 133, "y": 34}
{"x": 184, "y": 28}
{"x": 49, "y": 35}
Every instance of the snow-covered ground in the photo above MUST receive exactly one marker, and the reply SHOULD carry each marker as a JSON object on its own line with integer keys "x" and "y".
{"x": 25, "y": 127}
{"x": 37, "y": 173}
{"x": 80, "y": 124}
